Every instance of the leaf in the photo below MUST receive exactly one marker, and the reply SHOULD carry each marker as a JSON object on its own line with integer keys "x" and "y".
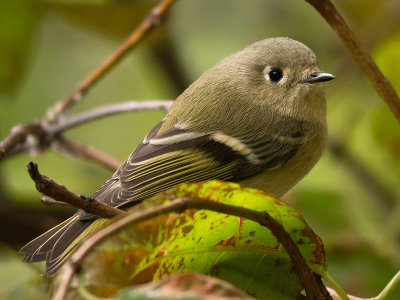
{"x": 388, "y": 60}
{"x": 234, "y": 249}
{"x": 110, "y": 18}
{"x": 188, "y": 286}
{"x": 385, "y": 130}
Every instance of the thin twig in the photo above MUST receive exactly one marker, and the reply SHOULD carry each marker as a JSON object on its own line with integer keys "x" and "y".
{"x": 77, "y": 149}
{"x": 152, "y": 20}
{"x": 46, "y": 200}
{"x": 108, "y": 110}
{"x": 19, "y": 133}
{"x": 58, "y": 192}
{"x": 310, "y": 284}
{"x": 360, "y": 54}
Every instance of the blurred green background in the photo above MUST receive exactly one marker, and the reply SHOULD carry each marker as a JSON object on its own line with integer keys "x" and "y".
{"x": 351, "y": 198}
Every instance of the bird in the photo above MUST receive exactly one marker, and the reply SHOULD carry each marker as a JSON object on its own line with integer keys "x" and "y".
{"x": 258, "y": 118}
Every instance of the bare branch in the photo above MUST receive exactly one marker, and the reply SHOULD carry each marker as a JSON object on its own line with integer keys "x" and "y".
{"x": 18, "y": 135}
{"x": 108, "y": 110}
{"x": 313, "y": 285}
{"x": 361, "y": 56}
{"x": 58, "y": 192}
{"x": 46, "y": 200}
{"x": 77, "y": 149}
{"x": 42, "y": 131}
{"x": 152, "y": 20}
{"x": 45, "y": 135}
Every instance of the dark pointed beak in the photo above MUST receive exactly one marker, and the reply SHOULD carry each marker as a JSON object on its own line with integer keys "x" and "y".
{"x": 319, "y": 77}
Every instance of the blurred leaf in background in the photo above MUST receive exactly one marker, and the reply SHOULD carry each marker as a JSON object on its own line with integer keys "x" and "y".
{"x": 195, "y": 287}
{"x": 48, "y": 46}
{"x": 18, "y": 21}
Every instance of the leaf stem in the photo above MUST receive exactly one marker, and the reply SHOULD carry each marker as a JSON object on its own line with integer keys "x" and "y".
{"x": 334, "y": 285}
{"x": 389, "y": 287}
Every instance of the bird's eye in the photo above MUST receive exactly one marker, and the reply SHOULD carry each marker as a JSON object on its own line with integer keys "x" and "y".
{"x": 275, "y": 75}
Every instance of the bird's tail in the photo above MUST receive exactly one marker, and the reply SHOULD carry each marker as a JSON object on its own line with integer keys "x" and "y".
{"x": 56, "y": 245}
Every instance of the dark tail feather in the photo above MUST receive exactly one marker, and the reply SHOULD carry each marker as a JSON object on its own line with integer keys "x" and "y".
{"x": 34, "y": 258}
{"x": 56, "y": 245}
{"x": 65, "y": 245}
{"x": 38, "y": 247}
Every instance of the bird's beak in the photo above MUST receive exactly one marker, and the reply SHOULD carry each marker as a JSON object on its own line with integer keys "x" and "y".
{"x": 319, "y": 77}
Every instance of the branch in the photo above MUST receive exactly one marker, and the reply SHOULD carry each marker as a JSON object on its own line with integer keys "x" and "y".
{"x": 46, "y": 200}
{"x": 361, "y": 56}
{"x": 152, "y": 20}
{"x": 18, "y": 136}
{"x": 45, "y": 135}
{"x": 108, "y": 110}
{"x": 312, "y": 284}
{"x": 77, "y": 149}
{"x": 19, "y": 133}
{"x": 58, "y": 192}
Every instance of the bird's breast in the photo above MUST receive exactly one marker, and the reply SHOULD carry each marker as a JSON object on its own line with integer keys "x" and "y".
{"x": 279, "y": 179}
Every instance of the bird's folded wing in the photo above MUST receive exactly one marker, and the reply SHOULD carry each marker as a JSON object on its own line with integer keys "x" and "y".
{"x": 178, "y": 155}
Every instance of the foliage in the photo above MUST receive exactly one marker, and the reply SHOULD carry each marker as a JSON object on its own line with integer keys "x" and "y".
{"x": 237, "y": 250}
{"x": 184, "y": 286}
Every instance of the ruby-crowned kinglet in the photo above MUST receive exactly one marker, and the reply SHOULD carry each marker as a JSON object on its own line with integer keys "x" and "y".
{"x": 257, "y": 117}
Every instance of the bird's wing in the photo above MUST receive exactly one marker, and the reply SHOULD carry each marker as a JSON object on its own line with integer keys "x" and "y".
{"x": 178, "y": 155}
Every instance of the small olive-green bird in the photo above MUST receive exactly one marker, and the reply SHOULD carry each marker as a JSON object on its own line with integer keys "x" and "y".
{"x": 257, "y": 118}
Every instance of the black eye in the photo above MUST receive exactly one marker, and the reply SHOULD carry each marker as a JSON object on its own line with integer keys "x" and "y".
{"x": 275, "y": 75}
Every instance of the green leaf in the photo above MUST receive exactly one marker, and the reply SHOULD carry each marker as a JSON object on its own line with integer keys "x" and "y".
{"x": 385, "y": 131}
{"x": 234, "y": 249}
{"x": 387, "y": 58}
